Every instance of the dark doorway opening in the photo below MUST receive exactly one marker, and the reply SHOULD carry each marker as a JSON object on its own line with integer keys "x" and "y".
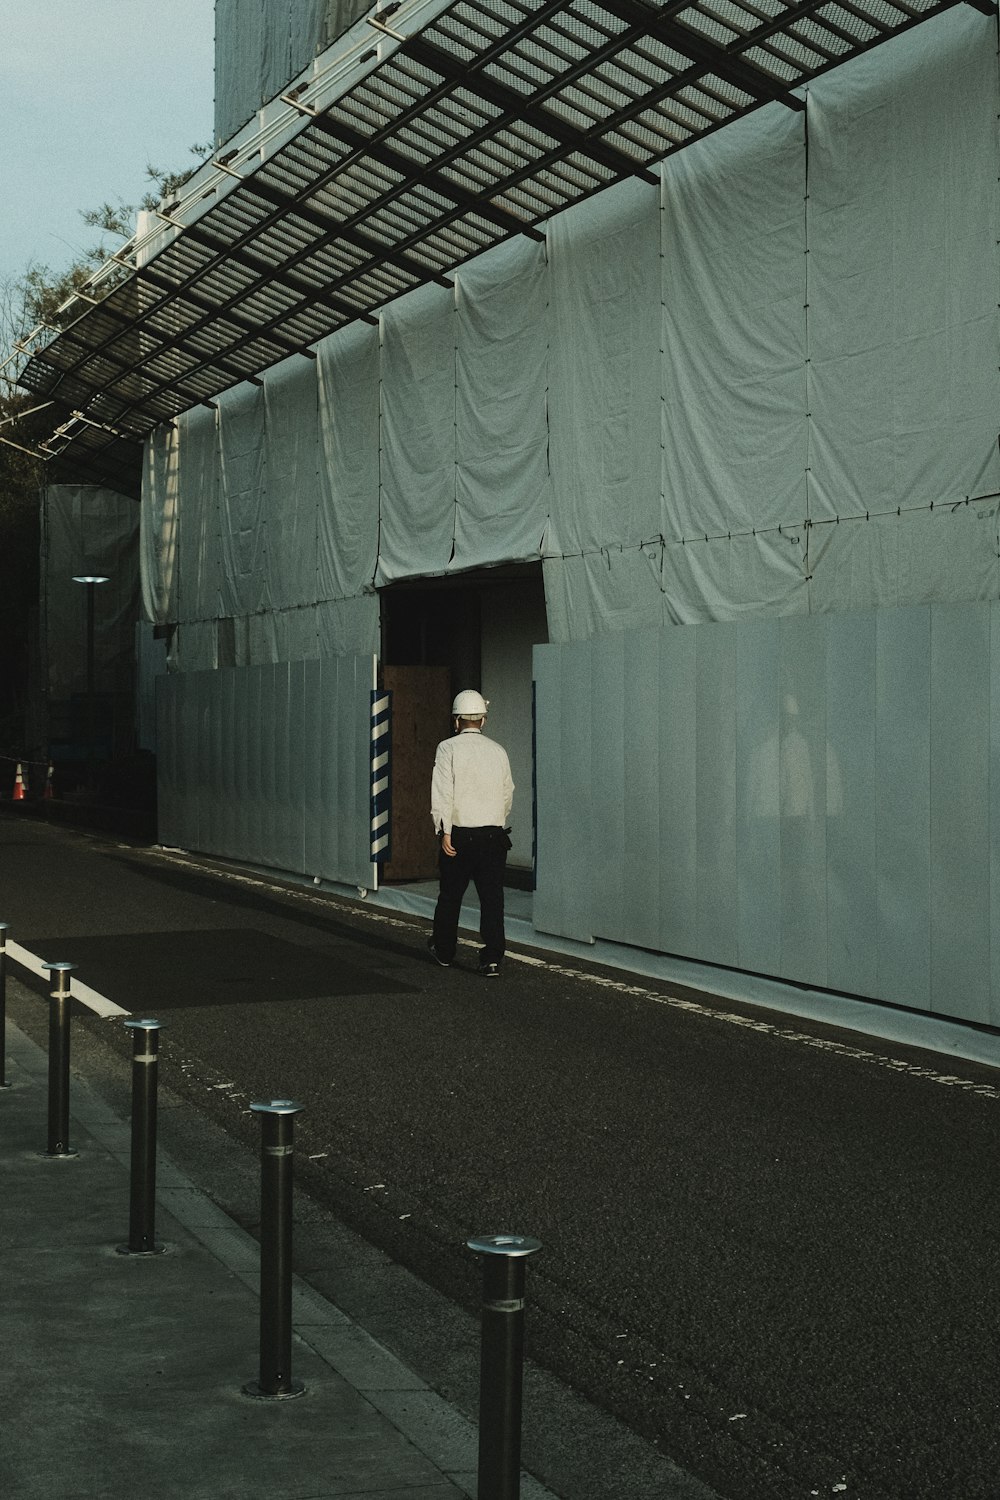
{"x": 434, "y": 625}
{"x": 439, "y": 635}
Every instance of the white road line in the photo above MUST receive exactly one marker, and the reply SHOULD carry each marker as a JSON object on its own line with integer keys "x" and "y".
{"x": 693, "y": 1007}
{"x": 784, "y": 1033}
{"x": 82, "y": 992}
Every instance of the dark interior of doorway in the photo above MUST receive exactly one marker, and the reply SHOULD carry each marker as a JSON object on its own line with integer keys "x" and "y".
{"x": 434, "y": 623}
{"x": 437, "y": 622}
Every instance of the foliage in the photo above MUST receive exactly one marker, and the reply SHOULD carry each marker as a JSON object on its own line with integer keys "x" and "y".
{"x": 45, "y": 292}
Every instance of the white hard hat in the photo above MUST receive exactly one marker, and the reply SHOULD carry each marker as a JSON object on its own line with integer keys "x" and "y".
{"x": 469, "y": 705}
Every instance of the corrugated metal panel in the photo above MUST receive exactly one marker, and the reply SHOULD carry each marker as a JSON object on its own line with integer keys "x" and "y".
{"x": 272, "y": 711}
{"x": 607, "y": 812}
{"x": 715, "y": 793}
{"x": 959, "y": 799}
{"x": 270, "y": 765}
{"x": 312, "y": 760}
{"x": 851, "y": 842}
{"x": 678, "y": 800}
{"x": 758, "y": 796}
{"x": 251, "y": 683}
{"x": 166, "y": 760}
{"x": 803, "y": 801}
{"x": 810, "y": 798}
{"x": 563, "y": 894}
{"x": 641, "y": 775}
{"x": 903, "y": 766}
{"x": 291, "y": 770}
{"x": 993, "y": 811}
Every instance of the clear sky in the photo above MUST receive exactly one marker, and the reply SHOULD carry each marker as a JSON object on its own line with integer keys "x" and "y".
{"x": 92, "y": 91}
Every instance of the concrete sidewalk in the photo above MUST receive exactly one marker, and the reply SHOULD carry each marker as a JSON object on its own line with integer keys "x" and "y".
{"x": 124, "y": 1374}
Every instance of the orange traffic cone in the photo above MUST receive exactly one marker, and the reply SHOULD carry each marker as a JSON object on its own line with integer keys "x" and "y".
{"x": 19, "y": 785}
{"x": 49, "y": 789}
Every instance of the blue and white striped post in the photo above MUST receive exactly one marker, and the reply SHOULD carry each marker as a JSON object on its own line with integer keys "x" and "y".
{"x": 381, "y": 801}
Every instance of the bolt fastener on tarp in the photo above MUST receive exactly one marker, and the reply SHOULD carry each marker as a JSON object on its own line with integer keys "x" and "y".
{"x": 501, "y": 1368}
{"x": 59, "y": 1145}
{"x": 277, "y": 1118}
{"x": 142, "y": 1177}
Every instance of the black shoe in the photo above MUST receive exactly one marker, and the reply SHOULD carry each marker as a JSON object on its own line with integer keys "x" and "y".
{"x": 444, "y": 963}
{"x": 490, "y": 971}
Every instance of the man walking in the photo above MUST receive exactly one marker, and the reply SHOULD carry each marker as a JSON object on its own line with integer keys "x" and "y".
{"x": 471, "y": 796}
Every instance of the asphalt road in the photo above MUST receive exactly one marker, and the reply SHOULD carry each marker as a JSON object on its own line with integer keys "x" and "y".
{"x": 770, "y": 1248}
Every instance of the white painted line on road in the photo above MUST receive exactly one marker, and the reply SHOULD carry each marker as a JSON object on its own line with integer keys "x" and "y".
{"x": 26, "y": 960}
{"x": 784, "y": 1033}
{"x": 82, "y": 992}
{"x": 692, "y": 1007}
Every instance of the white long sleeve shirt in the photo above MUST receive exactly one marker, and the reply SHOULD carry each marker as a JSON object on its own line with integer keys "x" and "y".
{"x": 471, "y": 786}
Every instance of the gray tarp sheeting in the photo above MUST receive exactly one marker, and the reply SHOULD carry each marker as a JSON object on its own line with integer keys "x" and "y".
{"x": 737, "y": 395}
{"x": 261, "y": 44}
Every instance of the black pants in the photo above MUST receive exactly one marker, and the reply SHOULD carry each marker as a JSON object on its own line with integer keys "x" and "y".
{"x": 480, "y": 856}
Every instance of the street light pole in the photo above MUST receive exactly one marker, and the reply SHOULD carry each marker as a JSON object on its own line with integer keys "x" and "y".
{"x": 91, "y": 579}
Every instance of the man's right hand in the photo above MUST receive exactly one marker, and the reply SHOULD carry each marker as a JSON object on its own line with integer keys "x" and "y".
{"x": 447, "y": 846}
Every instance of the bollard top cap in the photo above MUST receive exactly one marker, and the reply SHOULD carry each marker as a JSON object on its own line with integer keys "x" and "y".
{"x": 504, "y": 1244}
{"x": 59, "y": 968}
{"x": 144, "y": 1025}
{"x": 276, "y": 1107}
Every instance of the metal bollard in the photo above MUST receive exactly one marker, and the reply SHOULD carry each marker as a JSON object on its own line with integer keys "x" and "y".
{"x": 59, "y": 1145}
{"x": 142, "y": 1179}
{"x": 4, "y": 1082}
{"x": 276, "y": 1158}
{"x": 501, "y": 1362}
